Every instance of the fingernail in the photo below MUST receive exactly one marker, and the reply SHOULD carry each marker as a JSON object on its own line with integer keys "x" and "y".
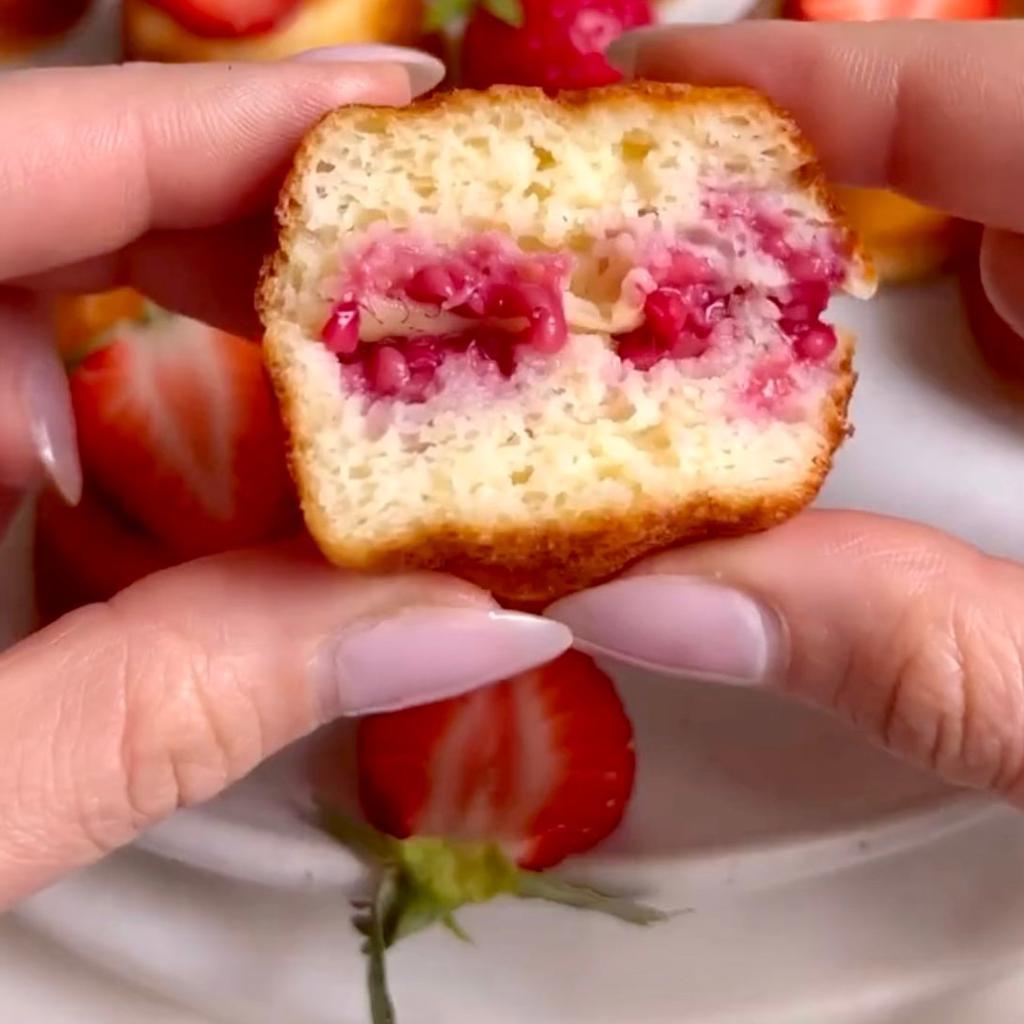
{"x": 420, "y": 655}
{"x": 621, "y": 52}
{"x": 1002, "y": 275}
{"x": 52, "y": 423}
{"x": 676, "y": 625}
{"x": 424, "y": 71}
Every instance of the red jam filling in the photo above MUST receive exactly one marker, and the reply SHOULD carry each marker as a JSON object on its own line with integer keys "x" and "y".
{"x": 506, "y": 301}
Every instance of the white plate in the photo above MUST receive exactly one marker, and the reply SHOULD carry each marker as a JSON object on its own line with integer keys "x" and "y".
{"x": 830, "y": 883}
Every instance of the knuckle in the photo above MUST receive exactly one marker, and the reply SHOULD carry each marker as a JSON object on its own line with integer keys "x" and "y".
{"x": 189, "y": 727}
{"x": 955, "y": 694}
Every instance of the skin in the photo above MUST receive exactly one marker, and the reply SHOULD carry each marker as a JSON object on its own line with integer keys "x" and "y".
{"x": 119, "y": 713}
{"x": 913, "y": 636}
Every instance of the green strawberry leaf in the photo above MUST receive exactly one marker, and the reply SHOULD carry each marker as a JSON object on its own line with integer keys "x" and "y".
{"x": 509, "y": 11}
{"x": 151, "y": 314}
{"x": 535, "y": 886}
{"x": 456, "y": 929}
{"x": 422, "y": 881}
{"x": 441, "y": 13}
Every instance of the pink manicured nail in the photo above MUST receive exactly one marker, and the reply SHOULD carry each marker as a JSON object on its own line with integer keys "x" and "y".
{"x": 677, "y": 625}
{"x": 51, "y": 422}
{"x": 419, "y": 655}
{"x": 622, "y": 51}
{"x": 424, "y": 71}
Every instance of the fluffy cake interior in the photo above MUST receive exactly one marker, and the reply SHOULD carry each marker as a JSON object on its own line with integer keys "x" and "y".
{"x": 610, "y": 187}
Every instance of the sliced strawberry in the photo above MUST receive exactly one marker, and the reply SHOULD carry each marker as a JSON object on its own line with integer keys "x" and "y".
{"x": 88, "y": 553}
{"x": 228, "y": 19}
{"x": 542, "y": 763}
{"x": 177, "y": 425}
{"x": 81, "y": 321}
{"x": 879, "y": 10}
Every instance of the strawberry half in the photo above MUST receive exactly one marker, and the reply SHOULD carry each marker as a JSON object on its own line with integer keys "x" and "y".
{"x": 879, "y": 10}
{"x": 542, "y": 764}
{"x": 178, "y": 428}
{"x": 227, "y": 19}
{"x": 87, "y": 553}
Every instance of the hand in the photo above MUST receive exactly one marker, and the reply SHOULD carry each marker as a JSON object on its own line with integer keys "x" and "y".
{"x": 914, "y": 637}
{"x": 119, "y": 713}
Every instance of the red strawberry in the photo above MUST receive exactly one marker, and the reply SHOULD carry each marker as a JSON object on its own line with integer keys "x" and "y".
{"x": 556, "y": 44}
{"x": 177, "y": 425}
{"x": 88, "y": 553}
{"x": 40, "y": 17}
{"x": 878, "y": 10}
{"x": 227, "y": 19}
{"x": 542, "y": 763}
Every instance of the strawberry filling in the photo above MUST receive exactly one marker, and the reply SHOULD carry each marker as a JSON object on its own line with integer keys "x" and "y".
{"x": 408, "y": 305}
{"x": 486, "y": 300}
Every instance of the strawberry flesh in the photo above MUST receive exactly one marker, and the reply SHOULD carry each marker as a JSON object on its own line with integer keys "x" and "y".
{"x": 228, "y": 19}
{"x": 178, "y": 428}
{"x": 40, "y": 17}
{"x": 542, "y": 763}
{"x": 88, "y": 553}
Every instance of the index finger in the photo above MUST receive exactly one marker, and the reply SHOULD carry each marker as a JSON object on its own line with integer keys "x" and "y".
{"x": 93, "y": 159}
{"x": 934, "y": 110}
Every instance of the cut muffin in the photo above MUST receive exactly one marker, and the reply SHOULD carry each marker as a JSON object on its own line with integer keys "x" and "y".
{"x": 528, "y": 340}
{"x": 906, "y": 241}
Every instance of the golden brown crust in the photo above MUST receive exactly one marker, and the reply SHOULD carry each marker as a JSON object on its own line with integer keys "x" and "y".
{"x": 530, "y": 568}
{"x": 151, "y": 34}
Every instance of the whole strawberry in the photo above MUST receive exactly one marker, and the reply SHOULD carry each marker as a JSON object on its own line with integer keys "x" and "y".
{"x": 555, "y": 44}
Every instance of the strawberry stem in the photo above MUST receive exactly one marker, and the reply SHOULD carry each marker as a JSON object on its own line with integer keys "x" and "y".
{"x": 422, "y": 881}
{"x": 382, "y": 1010}
{"x": 535, "y": 886}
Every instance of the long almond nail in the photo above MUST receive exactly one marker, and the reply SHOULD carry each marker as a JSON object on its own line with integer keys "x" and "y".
{"x": 421, "y": 655}
{"x": 424, "y": 71}
{"x": 51, "y": 422}
{"x": 678, "y": 626}
{"x": 622, "y": 52}
{"x": 1002, "y": 275}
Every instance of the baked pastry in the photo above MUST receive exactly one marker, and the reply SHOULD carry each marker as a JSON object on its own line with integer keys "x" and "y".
{"x": 907, "y": 241}
{"x": 214, "y": 30}
{"x": 529, "y": 339}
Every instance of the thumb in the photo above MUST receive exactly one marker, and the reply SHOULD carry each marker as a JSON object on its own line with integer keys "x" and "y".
{"x": 119, "y": 713}
{"x": 912, "y": 636}
{"x": 1002, "y": 274}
